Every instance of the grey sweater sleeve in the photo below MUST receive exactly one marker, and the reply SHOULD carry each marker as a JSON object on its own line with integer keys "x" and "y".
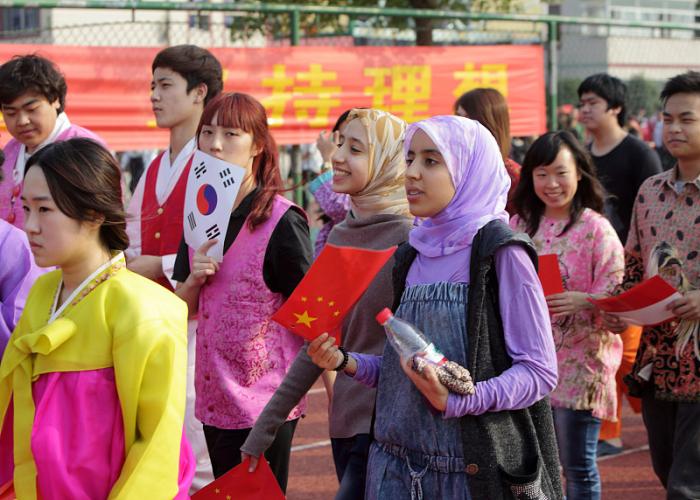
{"x": 299, "y": 379}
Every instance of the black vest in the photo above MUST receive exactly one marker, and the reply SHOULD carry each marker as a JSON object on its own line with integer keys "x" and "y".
{"x": 509, "y": 454}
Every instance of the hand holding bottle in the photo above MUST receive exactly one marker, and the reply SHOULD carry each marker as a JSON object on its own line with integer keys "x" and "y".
{"x": 424, "y": 358}
{"x": 427, "y": 383}
{"x": 452, "y": 375}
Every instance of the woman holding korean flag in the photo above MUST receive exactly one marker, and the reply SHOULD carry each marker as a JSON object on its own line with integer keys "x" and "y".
{"x": 241, "y": 356}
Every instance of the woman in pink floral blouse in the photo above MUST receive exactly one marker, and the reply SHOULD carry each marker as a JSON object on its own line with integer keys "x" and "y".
{"x": 559, "y": 202}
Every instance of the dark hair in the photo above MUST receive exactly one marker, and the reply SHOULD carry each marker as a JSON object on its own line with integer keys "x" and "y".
{"x": 2, "y": 160}
{"x": 612, "y": 90}
{"x": 342, "y": 118}
{"x": 32, "y": 73}
{"x": 589, "y": 194}
{"x": 685, "y": 83}
{"x": 194, "y": 64}
{"x": 488, "y": 107}
{"x": 244, "y": 112}
{"x": 85, "y": 183}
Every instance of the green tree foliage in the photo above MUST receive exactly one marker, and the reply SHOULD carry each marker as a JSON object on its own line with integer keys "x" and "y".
{"x": 278, "y": 25}
{"x": 642, "y": 94}
{"x": 568, "y": 90}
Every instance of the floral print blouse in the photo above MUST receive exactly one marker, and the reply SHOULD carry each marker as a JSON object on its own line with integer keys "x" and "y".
{"x": 591, "y": 260}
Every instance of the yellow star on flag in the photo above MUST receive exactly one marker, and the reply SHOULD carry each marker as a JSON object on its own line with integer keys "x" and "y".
{"x": 331, "y": 304}
{"x": 304, "y": 299}
{"x": 319, "y": 299}
{"x": 305, "y": 319}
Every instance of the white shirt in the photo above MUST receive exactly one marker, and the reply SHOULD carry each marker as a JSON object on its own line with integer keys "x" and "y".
{"x": 62, "y": 124}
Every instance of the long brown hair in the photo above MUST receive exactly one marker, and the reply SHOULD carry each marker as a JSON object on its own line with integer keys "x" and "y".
{"x": 243, "y": 112}
{"x": 589, "y": 193}
{"x": 85, "y": 183}
{"x": 489, "y": 107}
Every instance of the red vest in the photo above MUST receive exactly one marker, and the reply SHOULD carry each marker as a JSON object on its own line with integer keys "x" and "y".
{"x": 161, "y": 225}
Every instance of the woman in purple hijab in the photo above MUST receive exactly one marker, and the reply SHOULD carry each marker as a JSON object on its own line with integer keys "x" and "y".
{"x": 468, "y": 282}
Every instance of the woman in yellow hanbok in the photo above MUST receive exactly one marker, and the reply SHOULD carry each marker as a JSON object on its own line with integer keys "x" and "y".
{"x": 92, "y": 383}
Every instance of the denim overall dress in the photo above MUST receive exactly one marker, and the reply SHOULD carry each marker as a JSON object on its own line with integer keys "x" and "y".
{"x": 417, "y": 453}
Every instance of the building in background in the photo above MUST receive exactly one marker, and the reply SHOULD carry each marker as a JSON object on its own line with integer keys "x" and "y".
{"x": 653, "y": 53}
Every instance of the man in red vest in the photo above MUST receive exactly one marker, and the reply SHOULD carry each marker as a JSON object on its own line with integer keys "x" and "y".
{"x": 185, "y": 79}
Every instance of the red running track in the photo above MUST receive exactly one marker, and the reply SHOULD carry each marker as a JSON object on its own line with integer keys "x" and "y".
{"x": 312, "y": 476}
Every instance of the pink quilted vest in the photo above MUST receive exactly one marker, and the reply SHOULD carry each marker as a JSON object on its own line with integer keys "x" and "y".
{"x": 242, "y": 355}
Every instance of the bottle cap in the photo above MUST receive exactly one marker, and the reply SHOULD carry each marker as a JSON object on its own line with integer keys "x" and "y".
{"x": 384, "y": 315}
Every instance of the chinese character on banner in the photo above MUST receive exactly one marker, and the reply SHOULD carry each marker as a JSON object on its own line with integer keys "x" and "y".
{"x": 316, "y": 96}
{"x": 280, "y": 85}
{"x": 407, "y": 92}
{"x": 487, "y": 76}
{"x": 309, "y": 91}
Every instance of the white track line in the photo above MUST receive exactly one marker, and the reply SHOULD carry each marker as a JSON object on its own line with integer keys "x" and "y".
{"x": 311, "y": 446}
{"x": 625, "y": 452}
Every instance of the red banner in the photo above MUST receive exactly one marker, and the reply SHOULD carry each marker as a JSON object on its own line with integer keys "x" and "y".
{"x": 303, "y": 88}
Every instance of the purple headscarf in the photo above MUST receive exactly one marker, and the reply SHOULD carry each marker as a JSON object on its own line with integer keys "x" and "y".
{"x": 480, "y": 179}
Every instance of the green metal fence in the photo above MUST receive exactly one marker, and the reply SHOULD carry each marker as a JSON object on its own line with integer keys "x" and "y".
{"x": 575, "y": 45}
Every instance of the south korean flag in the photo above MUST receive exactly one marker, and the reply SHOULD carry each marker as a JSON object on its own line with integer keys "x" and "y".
{"x": 212, "y": 187}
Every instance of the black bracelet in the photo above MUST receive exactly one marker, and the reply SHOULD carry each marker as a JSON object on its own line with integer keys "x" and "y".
{"x": 344, "y": 363}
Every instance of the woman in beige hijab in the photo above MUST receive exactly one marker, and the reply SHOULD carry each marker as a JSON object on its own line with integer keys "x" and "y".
{"x": 369, "y": 166}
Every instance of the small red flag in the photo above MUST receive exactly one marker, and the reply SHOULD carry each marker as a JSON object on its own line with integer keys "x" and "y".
{"x": 336, "y": 280}
{"x": 239, "y": 484}
{"x": 644, "y": 304}
{"x": 550, "y": 276}
{"x": 7, "y": 491}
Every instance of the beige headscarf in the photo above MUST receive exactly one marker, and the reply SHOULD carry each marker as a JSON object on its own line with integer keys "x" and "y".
{"x": 385, "y": 191}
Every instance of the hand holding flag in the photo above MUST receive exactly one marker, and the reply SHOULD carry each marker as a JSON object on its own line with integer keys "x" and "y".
{"x": 212, "y": 187}
{"x": 240, "y": 484}
{"x": 645, "y": 304}
{"x": 335, "y": 281}
{"x": 203, "y": 266}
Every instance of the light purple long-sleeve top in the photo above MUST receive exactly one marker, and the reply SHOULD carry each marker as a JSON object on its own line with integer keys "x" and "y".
{"x": 528, "y": 336}
{"x": 17, "y": 275}
{"x": 334, "y": 205}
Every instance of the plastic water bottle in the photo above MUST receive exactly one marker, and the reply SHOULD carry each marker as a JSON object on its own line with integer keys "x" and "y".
{"x": 408, "y": 340}
{"x": 411, "y": 344}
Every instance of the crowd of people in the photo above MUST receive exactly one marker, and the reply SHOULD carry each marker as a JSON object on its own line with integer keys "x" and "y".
{"x": 135, "y": 366}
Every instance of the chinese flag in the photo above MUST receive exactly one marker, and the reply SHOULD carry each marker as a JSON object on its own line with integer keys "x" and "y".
{"x": 335, "y": 281}
{"x": 7, "y": 491}
{"x": 239, "y": 484}
{"x": 548, "y": 272}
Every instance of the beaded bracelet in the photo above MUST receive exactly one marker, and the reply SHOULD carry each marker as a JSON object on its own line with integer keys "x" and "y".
{"x": 344, "y": 363}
